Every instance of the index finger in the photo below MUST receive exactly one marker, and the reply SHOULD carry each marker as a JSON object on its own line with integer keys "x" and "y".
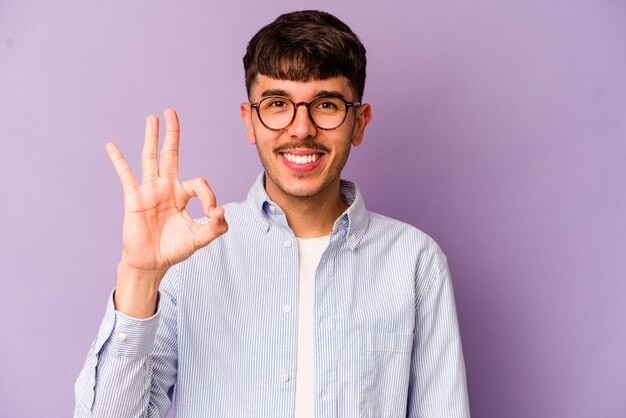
{"x": 168, "y": 167}
{"x": 124, "y": 173}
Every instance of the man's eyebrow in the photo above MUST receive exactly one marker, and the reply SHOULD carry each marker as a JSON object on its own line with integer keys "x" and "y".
{"x": 330, "y": 93}
{"x": 320, "y": 93}
{"x": 274, "y": 92}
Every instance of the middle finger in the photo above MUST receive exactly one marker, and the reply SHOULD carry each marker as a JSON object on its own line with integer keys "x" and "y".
{"x": 149, "y": 166}
{"x": 169, "y": 154}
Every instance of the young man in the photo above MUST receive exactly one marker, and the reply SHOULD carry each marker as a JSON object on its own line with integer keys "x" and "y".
{"x": 309, "y": 306}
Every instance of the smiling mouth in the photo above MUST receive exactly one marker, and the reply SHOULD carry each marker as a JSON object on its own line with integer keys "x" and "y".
{"x": 301, "y": 158}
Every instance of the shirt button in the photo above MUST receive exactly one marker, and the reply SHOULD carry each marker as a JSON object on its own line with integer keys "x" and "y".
{"x": 121, "y": 336}
{"x": 287, "y": 243}
{"x": 284, "y": 377}
{"x": 287, "y": 308}
{"x": 324, "y": 394}
{"x": 352, "y": 238}
{"x": 273, "y": 208}
{"x": 92, "y": 381}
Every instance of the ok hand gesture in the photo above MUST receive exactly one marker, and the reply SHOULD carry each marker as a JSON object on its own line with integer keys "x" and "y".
{"x": 158, "y": 232}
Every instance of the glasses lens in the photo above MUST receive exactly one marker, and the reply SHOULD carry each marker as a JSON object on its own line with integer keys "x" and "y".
{"x": 276, "y": 112}
{"x": 328, "y": 112}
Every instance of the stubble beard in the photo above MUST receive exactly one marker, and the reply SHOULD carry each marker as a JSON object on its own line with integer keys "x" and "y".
{"x": 303, "y": 194}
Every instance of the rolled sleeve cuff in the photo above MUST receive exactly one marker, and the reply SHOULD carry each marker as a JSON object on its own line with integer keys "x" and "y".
{"x": 126, "y": 336}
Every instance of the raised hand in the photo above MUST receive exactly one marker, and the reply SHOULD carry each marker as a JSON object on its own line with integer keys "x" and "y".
{"x": 157, "y": 230}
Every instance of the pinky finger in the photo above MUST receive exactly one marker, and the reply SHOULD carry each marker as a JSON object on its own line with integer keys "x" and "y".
{"x": 124, "y": 173}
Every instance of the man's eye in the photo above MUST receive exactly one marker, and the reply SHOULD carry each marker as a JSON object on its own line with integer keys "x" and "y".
{"x": 276, "y": 104}
{"x": 327, "y": 105}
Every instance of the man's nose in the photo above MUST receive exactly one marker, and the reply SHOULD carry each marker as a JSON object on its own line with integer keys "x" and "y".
{"x": 302, "y": 125}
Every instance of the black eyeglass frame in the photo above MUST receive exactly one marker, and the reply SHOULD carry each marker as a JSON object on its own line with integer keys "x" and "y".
{"x": 308, "y": 109}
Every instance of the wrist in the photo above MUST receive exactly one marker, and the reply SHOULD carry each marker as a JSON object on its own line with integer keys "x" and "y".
{"x": 136, "y": 291}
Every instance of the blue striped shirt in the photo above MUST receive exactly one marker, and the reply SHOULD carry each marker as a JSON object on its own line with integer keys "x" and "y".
{"x": 224, "y": 336}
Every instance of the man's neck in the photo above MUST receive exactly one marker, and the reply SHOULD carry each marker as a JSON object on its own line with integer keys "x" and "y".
{"x": 314, "y": 216}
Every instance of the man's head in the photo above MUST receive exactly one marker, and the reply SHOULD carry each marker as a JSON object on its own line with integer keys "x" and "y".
{"x": 305, "y": 74}
{"x": 306, "y": 45}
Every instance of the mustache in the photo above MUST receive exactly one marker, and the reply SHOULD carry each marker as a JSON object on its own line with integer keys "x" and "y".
{"x": 307, "y": 143}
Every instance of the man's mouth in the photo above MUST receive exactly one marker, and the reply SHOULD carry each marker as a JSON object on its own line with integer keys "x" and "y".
{"x": 301, "y": 158}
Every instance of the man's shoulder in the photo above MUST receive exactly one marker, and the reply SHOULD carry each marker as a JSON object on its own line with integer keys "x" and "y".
{"x": 380, "y": 222}
{"x": 402, "y": 234}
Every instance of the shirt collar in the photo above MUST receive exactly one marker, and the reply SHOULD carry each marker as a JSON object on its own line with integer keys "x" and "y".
{"x": 352, "y": 223}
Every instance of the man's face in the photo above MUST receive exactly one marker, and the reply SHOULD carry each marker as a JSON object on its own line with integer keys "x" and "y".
{"x": 301, "y": 160}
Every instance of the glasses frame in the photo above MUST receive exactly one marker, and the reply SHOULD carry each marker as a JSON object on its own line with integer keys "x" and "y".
{"x": 347, "y": 104}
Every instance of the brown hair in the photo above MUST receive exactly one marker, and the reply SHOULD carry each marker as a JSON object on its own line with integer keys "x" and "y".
{"x": 305, "y": 45}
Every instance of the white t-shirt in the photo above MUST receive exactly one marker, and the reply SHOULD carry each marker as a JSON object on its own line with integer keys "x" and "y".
{"x": 310, "y": 252}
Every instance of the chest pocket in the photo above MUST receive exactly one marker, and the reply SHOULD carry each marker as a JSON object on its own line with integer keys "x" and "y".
{"x": 384, "y": 368}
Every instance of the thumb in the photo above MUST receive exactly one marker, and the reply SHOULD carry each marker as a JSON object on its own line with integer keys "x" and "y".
{"x": 215, "y": 226}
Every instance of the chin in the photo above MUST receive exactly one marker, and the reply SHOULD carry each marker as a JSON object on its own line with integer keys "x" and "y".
{"x": 296, "y": 188}
{"x": 300, "y": 192}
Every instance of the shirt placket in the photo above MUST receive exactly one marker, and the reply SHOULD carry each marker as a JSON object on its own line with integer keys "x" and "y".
{"x": 326, "y": 331}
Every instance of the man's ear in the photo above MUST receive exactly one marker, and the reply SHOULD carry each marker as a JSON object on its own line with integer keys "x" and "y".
{"x": 246, "y": 117}
{"x": 363, "y": 118}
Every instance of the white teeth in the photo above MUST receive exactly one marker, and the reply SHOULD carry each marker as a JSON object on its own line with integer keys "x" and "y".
{"x": 301, "y": 159}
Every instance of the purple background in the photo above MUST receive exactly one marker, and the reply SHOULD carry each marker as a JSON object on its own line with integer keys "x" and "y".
{"x": 499, "y": 129}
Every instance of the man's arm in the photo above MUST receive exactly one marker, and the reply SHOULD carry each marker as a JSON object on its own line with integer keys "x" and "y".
{"x": 131, "y": 366}
{"x": 437, "y": 387}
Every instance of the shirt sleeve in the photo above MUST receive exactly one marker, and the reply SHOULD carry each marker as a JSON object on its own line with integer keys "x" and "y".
{"x": 437, "y": 386}
{"x": 131, "y": 366}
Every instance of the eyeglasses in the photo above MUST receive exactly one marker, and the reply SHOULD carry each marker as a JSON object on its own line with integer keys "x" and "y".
{"x": 326, "y": 112}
